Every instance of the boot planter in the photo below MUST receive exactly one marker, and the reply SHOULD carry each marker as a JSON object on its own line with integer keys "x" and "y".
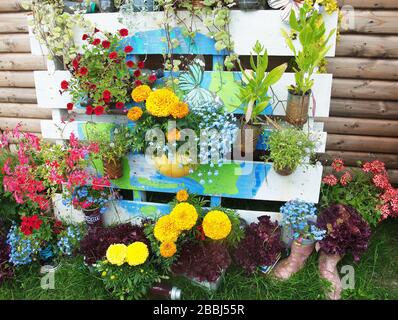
{"x": 93, "y": 217}
{"x": 297, "y": 108}
{"x": 295, "y": 262}
{"x": 113, "y": 169}
{"x": 328, "y": 270}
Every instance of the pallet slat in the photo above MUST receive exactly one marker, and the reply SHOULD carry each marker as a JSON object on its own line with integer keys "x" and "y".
{"x": 30, "y": 125}
{"x": 22, "y": 61}
{"x": 366, "y": 21}
{"x": 365, "y": 89}
{"x": 18, "y": 110}
{"x": 21, "y": 79}
{"x": 22, "y": 95}
{"x": 14, "y": 43}
{"x": 375, "y": 4}
{"x": 13, "y": 23}
{"x": 11, "y": 6}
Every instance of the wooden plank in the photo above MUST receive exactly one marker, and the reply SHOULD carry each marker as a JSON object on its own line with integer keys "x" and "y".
{"x": 16, "y": 42}
{"x": 364, "y": 108}
{"x": 361, "y": 143}
{"x": 148, "y": 38}
{"x": 369, "y": 46}
{"x": 375, "y": 4}
{"x": 365, "y": 127}
{"x": 363, "y": 68}
{"x": 22, "y": 79}
{"x": 11, "y": 6}
{"x": 351, "y": 158}
{"x": 367, "y": 21}
{"x": 31, "y": 125}
{"x": 365, "y": 89}
{"x": 22, "y": 95}
{"x": 22, "y": 61}
{"x": 18, "y": 110}
{"x": 13, "y": 23}
{"x": 392, "y": 174}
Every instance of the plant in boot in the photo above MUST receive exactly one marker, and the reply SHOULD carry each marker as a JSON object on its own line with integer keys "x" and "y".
{"x": 288, "y": 149}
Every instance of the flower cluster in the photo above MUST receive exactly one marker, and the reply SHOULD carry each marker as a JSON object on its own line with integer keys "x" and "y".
{"x": 300, "y": 218}
{"x": 22, "y": 249}
{"x": 69, "y": 239}
{"x": 90, "y": 197}
{"x": 29, "y": 224}
{"x": 134, "y": 254}
{"x": 216, "y": 225}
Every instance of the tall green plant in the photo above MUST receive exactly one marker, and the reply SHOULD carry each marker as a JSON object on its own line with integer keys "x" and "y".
{"x": 254, "y": 94}
{"x": 311, "y": 31}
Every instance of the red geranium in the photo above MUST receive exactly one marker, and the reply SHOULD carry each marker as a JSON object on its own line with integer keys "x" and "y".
{"x": 75, "y": 62}
{"x": 152, "y": 78}
{"x": 64, "y": 85}
{"x": 84, "y": 37}
{"x": 96, "y": 42}
{"x": 106, "y": 44}
{"x": 83, "y": 71}
{"x": 89, "y": 110}
{"x": 106, "y": 94}
{"x": 119, "y": 105}
{"x": 141, "y": 64}
{"x": 130, "y": 64}
{"x": 124, "y": 32}
{"x": 99, "y": 110}
{"x": 29, "y": 224}
{"x": 113, "y": 55}
{"x": 69, "y": 106}
{"x": 128, "y": 49}
{"x": 137, "y": 73}
{"x": 138, "y": 83}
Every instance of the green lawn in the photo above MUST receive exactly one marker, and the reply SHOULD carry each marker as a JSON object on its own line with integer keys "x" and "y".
{"x": 376, "y": 277}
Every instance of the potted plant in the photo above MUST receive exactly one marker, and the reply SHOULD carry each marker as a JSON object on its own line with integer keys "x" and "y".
{"x": 299, "y": 223}
{"x": 311, "y": 30}
{"x": 261, "y": 246}
{"x": 347, "y": 232}
{"x": 288, "y": 149}
{"x": 253, "y": 94}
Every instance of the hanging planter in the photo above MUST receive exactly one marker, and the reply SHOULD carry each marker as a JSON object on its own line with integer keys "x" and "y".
{"x": 297, "y": 108}
{"x": 113, "y": 168}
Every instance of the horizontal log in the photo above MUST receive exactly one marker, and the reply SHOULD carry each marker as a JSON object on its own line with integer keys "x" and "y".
{"x": 367, "y": 21}
{"x": 364, "y": 108}
{"x": 13, "y": 23}
{"x": 367, "y": 46}
{"x": 18, "y": 110}
{"x": 365, "y": 89}
{"x": 22, "y": 61}
{"x": 22, "y": 95}
{"x": 15, "y": 42}
{"x": 31, "y": 125}
{"x": 351, "y": 158}
{"x": 21, "y": 79}
{"x": 366, "y": 127}
{"x": 11, "y": 6}
{"x": 392, "y": 174}
{"x": 361, "y": 143}
{"x": 363, "y": 68}
{"x": 376, "y": 4}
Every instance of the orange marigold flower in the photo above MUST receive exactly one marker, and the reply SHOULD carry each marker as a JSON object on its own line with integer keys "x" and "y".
{"x": 168, "y": 249}
{"x": 134, "y": 113}
{"x": 180, "y": 111}
{"x": 182, "y": 195}
{"x": 141, "y": 93}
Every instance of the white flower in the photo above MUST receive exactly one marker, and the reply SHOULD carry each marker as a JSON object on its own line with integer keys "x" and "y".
{"x": 286, "y": 6}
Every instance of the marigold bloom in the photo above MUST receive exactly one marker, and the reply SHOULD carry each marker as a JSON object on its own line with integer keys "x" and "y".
{"x": 141, "y": 93}
{"x": 137, "y": 253}
{"x": 185, "y": 215}
{"x": 216, "y": 225}
{"x": 168, "y": 249}
{"x": 180, "y": 111}
{"x": 166, "y": 229}
{"x": 134, "y": 113}
{"x": 182, "y": 195}
{"x": 116, "y": 254}
{"x": 161, "y": 102}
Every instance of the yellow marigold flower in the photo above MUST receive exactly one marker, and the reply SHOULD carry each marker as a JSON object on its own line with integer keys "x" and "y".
{"x": 161, "y": 102}
{"x": 166, "y": 229}
{"x": 168, "y": 249}
{"x": 216, "y": 225}
{"x": 116, "y": 254}
{"x": 137, "y": 253}
{"x": 185, "y": 215}
{"x": 173, "y": 135}
{"x": 180, "y": 111}
{"x": 134, "y": 113}
{"x": 141, "y": 93}
{"x": 182, "y": 195}
{"x": 103, "y": 273}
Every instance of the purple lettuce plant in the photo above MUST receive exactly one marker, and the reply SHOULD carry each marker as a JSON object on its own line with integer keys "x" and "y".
{"x": 6, "y": 269}
{"x": 347, "y": 231}
{"x": 261, "y": 245}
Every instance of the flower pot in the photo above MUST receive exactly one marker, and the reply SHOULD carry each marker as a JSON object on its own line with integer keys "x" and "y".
{"x": 295, "y": 262}
{"x": 286, "y": 171}
{"x": 328, "y": 270}
{"x": 177, "y": 168}
{"x": 93, "y": 217}
{"x": 113, "y": 169}
{"x": 248, "y": 4}
{"x": 245, "y": 146}
{"x": 106, "y": 6}
{"x": 297, "y": 108}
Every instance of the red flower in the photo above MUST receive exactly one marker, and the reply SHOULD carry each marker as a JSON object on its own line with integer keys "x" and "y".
{"x": 141, "y": 64}
{"x": 119, "y": 105}
{"x": 380, "y": 180}
{"x": 330, "y": 180}
{"x": 138, "y": 83}
{"x": 106, "y": 94}
{"x": 374, "y": 167}
{"x": 96, "y": 42}
{"x": 89, "y": 110}
{"x": 69, "y": 106}
{"x": 99, "y": 110}
{"x": 57, "y": 228}
{"x": 106, "y": 44}
{"x": 64, "y": 85}
{"x": 152, "y": 78}
{"x": 113, "y": 55}
{"x": 128, "y": 49}
{"x": 75, "y": 62}
{"x": 338, "y": 165}
{"x": 345, "y": 178}
{"x": 29, "y": 224}
{"x": 84, "y": 37}
{"x": 130, "y": 64}
{"x": 124, "y": 32}
{"x": 83, "y": 71}
{"x": 137, "y": 73}
{"x": 96, "y": 30}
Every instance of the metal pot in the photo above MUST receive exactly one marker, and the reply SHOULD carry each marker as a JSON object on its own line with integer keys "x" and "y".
{"x": 297, "y": 108}
{"x": 249, "y": 4}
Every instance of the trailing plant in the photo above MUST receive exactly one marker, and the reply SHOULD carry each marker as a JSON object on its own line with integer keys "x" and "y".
{"x": 347, "y": 231}
{"x": 289, "y": 147}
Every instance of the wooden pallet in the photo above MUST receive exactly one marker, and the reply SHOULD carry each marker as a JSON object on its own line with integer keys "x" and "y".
{"x": 246, "y": 180}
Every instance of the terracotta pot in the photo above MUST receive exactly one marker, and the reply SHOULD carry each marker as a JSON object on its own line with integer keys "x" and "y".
{"x": 295, "y": 262}
{"x": 113, "y": 169}
{"x": 177, "y": 168}
{"x": 93, "y": 217}
{"x": 287, "y": 171}
{"x": 328, "y": 270}
{"x": 247, "y": 149}
{"x": 297, "y": 108}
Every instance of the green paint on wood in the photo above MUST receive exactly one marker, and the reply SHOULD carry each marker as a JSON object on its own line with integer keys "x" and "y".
{"x": 227, "y": 88}
{"x": 157, "y": 184}
{"x": 149, "y": 211}
{"x": 124, "y": 181}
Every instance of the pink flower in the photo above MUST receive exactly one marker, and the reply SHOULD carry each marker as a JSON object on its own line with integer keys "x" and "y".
{"x": 381, "y": 181}
{"x": 330, "y": 180}
{"x": 374, "y": 167}
{"x": 338, "y": 165}
{"x": 345, "y": 178}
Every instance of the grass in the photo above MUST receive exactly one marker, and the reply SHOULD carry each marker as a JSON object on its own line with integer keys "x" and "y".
{"x": 376, "y": 277}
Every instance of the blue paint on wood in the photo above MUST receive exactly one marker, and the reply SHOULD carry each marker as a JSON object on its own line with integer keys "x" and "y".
{"x": 215, "y": 201}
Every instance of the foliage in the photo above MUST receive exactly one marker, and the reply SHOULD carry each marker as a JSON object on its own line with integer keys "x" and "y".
{"x": 299, "y": 218}
{"x": 6, "y": 269}
{"x": 347, "y": 231}
{"x": 260, "y": 246}
{"x": 311, "y": 33}
{"x": 8, "y": 206}
{"x": 289, "y": 147}
{"x": 69, "y": 239}
{"x": 254, "y": 93}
